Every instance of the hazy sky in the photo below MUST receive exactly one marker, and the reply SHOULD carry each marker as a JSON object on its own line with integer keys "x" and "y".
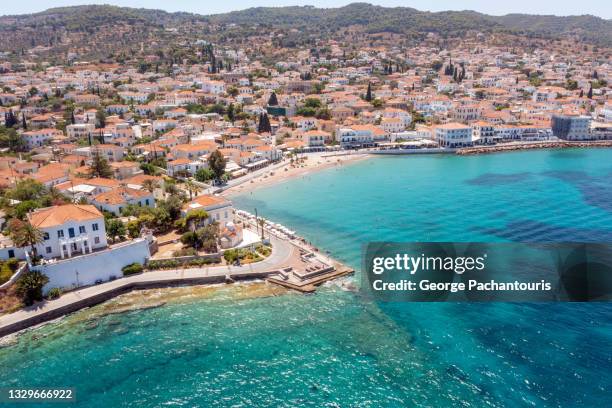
{"x": 602, "y": 8}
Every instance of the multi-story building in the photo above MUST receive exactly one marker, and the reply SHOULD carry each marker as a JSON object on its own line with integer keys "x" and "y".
{"x": 115, "y": 200}
{"x": 571, "y": 127}
{"x": 484, "y": 133}
{"x": 37, "y": 138}
{"x": 80, "y": 130}
{"x": 356, "y": 136}
{"x": 69, "y": 230}
{"x": 454, "y": 135}
{"x": 218, "y": 208}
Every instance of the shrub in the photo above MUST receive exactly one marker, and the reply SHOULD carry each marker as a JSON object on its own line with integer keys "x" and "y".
{"x": 54, "y": 293}
{"x": 7, "y": 269}
{"x": 242, "y": 254}
{"x": 263, "y": 250}
{"x": 132, "y": 269}
{"x": 180, "y": 263}
{"x": 185, "y": 252}
{"x": 231, "y": 255}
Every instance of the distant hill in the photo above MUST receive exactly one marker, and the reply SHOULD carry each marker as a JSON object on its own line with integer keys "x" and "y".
{"x": 406, "y": 20}
{"x": 107, "y": 28}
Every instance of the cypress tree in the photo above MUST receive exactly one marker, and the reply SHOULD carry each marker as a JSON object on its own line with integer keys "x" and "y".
{"x": 24, "y": 124}
{"x": 590, "y": 93}
{"x": 368, "y": 96}
{"x": 264, "y": 124}
{"x": 230, "y": 113}
{"x": 273, "y": 101}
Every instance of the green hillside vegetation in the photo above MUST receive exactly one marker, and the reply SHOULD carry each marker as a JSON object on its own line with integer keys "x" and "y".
{"x": 107, "y": 29}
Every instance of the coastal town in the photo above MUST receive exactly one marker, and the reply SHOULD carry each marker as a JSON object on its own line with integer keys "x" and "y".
{"x": 118, "y": 171}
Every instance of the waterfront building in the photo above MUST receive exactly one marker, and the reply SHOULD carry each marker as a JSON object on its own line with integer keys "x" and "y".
{"x": 218, "y": 208}
{"x": 453, "y": 135}
{"x": 69, "y": 230}
{"x": 571, "y": 127}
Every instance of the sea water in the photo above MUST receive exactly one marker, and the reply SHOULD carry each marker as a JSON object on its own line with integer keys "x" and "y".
{"x": 338, "y": 349}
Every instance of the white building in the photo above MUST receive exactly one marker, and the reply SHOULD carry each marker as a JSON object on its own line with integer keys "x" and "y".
{"x": 213, "y": 87}
{"x": 218, "y": 208}
{"x": 356, "y": 136}
{"x": 454, "y": 135}
{"x": 37, "y": 138}
{"x": 68, "y": 230}
{"x": 80, "y": 130}
{"x": 115, "y": 200}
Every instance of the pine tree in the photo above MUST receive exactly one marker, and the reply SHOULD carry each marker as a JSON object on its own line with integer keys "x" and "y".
{"x": 368, "y": 96}
{"x": 216, "y": 162}
{"x": 99, "y": 166}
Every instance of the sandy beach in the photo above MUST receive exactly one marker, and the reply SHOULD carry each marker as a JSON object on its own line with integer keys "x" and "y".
{"x": 305, "y": 164}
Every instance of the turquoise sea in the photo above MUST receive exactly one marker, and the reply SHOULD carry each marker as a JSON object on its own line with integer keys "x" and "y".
{"x": 338, "y": 349}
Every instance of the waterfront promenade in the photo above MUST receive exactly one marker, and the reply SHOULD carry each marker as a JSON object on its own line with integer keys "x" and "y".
{"x": 284, "y": 254}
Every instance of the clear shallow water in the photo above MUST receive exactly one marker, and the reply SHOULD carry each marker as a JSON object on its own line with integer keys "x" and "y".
{"x": 337, "y": 349}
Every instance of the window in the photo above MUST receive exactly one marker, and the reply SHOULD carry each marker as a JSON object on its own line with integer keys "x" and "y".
{"x": 81, "y": 229}
{"x": 74, "y": 246}
{"x": 60, "y": 233}
{"x": 95, "y": 226}
{"x": 71, "y": 232}
{"x": 96, "y": 240}
{"x": 48, "y": 250}
{"x": 46, "y": 236}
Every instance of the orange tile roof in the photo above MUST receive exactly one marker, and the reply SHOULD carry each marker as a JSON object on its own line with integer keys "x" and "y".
{"x": 120, "y": 195}
{"x": 58, "y": 215}
{"x": 205, "y": 201}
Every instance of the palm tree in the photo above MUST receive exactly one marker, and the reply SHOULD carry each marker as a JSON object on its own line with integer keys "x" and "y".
{"x": 23, "y": 234}
{"x": 262, "y": 223}
{"x": 29, "y": 286}
{"x": 193, "y": 188}
{"x": 56, "y": 196}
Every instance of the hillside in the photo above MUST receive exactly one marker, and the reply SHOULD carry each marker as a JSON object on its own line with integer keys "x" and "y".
{"x": 408, "y": 20}
{"x": 105, "y": 30}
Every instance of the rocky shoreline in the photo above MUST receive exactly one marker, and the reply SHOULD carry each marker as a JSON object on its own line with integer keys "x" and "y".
{"x": 534, "y": 145}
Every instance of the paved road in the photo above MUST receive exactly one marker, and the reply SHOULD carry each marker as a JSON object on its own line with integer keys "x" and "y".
{"x": 282, "y": 253}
